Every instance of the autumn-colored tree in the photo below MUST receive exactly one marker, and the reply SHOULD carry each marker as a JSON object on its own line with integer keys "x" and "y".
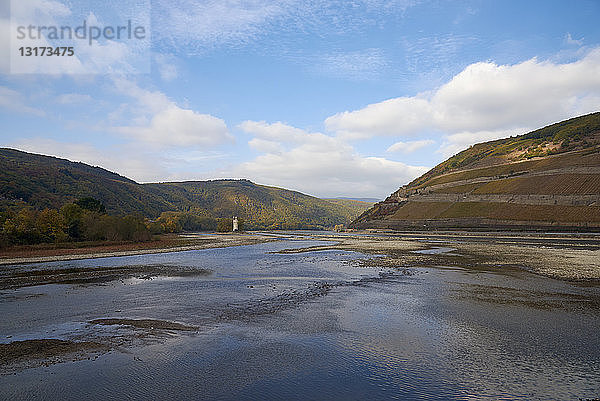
{"x": 21, "y": 228}
{"x": 51, "y": 226}
{"x": 73, "y": 214}
{"x": 224, "y": 225}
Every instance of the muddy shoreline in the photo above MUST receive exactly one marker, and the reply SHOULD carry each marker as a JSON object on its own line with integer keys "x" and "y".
{"x": 19, "y": 355}
{"x": 92, "y": 275}
{"x": 183, "y": 242}
{"x": 560, "y": 256}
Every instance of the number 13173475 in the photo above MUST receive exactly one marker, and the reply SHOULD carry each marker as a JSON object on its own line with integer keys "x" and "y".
{"x": 46, "y": 51}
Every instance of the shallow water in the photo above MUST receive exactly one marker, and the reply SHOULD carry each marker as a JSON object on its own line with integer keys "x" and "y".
{"x": 435, "y": 251}
{"x": 312, "y": 325}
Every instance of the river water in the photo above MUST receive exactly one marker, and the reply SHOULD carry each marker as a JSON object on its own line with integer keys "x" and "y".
{"x": 313, "y": 325}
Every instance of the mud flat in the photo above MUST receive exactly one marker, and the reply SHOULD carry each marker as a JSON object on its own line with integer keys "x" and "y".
{"x": 560, "y": 256}
{"x": 146, "y": 324}
{"x": 10, "y": 279}
{"x": 44, "y": 352}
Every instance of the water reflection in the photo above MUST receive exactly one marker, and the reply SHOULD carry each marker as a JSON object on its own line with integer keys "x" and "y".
{"x": 428, "y": 345}
{"x": 309, "y": 326}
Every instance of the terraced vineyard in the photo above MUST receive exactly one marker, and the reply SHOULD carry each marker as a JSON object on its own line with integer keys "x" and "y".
{"x": 547, "y": 179}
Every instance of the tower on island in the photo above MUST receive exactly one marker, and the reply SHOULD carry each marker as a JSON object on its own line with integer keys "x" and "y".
{"x": 235, "y": 223}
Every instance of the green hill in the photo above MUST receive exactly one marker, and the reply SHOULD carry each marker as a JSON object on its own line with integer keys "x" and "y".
{"x": 49, "y": 182}
{"x": 260, "y": 206}
{"x": 546, "y": 179}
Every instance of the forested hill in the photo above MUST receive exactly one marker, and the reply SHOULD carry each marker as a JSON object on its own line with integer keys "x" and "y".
{"x": 48, "y": 182}
{"x": 260, "y": 206}
{"x": 546, "y": 179}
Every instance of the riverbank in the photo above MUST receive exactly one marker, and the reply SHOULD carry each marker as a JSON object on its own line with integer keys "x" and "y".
{"x": 560, "y": 256}
{"x": 162, "y": 244}
{"x": 249, "y": 322}
{"x": 565, "y": 256}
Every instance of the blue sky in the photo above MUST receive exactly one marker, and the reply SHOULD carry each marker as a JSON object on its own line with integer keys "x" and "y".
{"x": 331, "y": 98}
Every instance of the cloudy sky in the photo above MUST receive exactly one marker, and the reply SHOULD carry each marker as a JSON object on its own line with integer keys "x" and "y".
{"x": 329, "y": 97}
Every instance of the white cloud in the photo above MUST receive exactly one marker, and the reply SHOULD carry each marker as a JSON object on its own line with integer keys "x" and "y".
{"x": 175, "y": 126}
{"x": 426, "y": 53}
{"x": 90, "y": 56}
{"x": 15, "y": 64}
{"x": 146, "y": 101}
{"x": 16, "y": 102}
{"x": 409, "y": 147}
{"x": 166, "y": 67}
{"x": 360, "y": 65}
{"x": 318, "y": 164}
{"x": 399, "y": 116}
{"x": 111, "y": 57}
{"x": 43, "y": 11}
{"x": 124, "y": 160}
{"x": 157, "y": 120}
{"x": 486, "y": 96}
{"x": 570, "y": 41}
{"x": 276, "y": 131}
{"x": 265, "y": 146}
{"x": 193, "y": 27}
{"x": 483, "y": 98}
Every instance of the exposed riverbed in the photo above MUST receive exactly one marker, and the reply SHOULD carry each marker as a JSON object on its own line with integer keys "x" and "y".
{"x": 310, "y": 316}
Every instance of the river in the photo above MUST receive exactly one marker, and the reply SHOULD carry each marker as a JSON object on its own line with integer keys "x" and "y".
{"x": 311, "y": 325}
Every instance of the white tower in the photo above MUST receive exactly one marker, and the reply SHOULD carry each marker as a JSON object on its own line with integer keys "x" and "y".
{"x": 235, "y": 223}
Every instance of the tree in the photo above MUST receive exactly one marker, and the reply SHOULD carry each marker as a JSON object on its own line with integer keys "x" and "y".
{"x": 225, "y": 225}
{"x": 91, "y": 204}
{"x": 21, "y": 228}
{"x": 169, "y": 221}
{"x": 95, "y": 227}
{"x": 73, "y": 214}
{"x": 51, "y": 226}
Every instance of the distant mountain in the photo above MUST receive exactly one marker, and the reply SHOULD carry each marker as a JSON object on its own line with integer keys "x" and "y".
{"x": 546, "y": 179}
{"x": 49, "y": 182}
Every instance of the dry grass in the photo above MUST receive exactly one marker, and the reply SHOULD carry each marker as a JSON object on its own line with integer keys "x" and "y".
{"x": 560, "y": 184}
{"x": 511, "y": 211}
{"x": 458, "y": 189}
{"x": 580, "y": 159}
{"x": 420, "y": 210}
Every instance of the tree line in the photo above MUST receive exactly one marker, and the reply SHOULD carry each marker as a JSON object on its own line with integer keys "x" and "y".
{"x": 86, "y": 220}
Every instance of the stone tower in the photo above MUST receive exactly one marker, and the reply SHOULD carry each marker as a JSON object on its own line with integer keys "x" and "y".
{"x": 235, "y": 223}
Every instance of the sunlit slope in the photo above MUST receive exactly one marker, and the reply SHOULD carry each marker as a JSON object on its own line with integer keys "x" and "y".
{"x": 548, "y": 178}
{"x": 260, "y": 206}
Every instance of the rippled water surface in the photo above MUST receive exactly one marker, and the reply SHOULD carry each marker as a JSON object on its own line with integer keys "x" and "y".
{"x": 315, "y": 325}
